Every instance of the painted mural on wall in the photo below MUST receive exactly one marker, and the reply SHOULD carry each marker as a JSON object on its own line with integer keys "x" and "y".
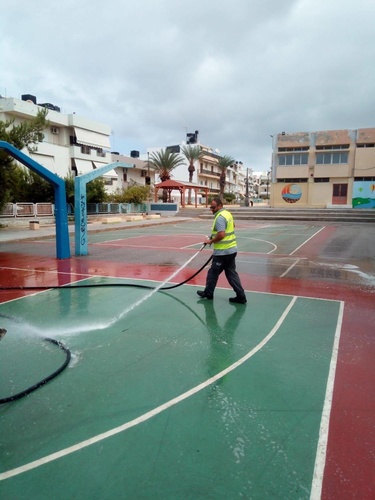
{"x": 363, "y": 194}
{"x": 291, "y": 193}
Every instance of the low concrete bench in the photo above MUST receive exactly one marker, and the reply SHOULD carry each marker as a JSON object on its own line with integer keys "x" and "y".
{"x": 130, "y": 218}
{"x": 34, "y": 225}
{"x": 153, "y": 216}
{"x": 111, "y": 220}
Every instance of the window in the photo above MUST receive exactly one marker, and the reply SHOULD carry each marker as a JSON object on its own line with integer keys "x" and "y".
{"x": 331, "y": 158}
{"x": 292, "y": 180}
{"x": 338, "y": 146}
{"x": 321, "y": 179}
{"x": 294, "y": 159}
{"x": 302, "y": 148}
{"x": 365, "y": 145}
{"x": 86, "y": 150}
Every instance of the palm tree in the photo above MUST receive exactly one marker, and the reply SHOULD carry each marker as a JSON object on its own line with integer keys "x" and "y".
{"x": 224, "y": 163}
{"x": 164, "y": 162}
{"x": 192, "y": 154}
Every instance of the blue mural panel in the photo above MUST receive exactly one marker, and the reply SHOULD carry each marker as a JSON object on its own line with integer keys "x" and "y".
{"x": 363, "y": 194}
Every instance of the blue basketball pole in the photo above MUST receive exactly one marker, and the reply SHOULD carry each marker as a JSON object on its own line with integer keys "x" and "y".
{"x": 80, "y": 204}
{"x": 62, "y": 231}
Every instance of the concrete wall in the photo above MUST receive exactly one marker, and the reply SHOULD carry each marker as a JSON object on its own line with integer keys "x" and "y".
{"x": 360, "y": 148}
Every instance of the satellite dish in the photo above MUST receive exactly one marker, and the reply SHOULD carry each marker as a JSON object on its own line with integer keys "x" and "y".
{"x": 217, "y": 150}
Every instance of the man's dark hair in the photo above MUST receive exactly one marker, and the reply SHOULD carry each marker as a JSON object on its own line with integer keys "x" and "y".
{"x": 218, "y": 201}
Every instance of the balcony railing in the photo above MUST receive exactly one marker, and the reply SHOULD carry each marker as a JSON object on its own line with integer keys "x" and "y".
{"x": 204, "y": 171}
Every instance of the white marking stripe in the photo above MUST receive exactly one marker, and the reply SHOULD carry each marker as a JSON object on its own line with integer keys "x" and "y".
{"x": 289, "y": 268}
{"x": 150, "y": 414}
{"x": 320, "y": 461}
{"x": 304, "y": 243}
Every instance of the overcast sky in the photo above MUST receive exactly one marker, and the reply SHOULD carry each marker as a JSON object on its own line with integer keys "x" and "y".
{"x": 238, "y": 71}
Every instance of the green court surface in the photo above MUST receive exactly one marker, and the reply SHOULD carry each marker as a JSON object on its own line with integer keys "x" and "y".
{"x": 166, "y": 396}
{"x": 264, "y": 238}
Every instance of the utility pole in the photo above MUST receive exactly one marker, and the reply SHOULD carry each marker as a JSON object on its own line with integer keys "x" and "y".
{"x": 247, "y": 189}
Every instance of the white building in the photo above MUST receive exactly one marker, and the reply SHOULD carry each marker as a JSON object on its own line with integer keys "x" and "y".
{"x": 72, "y": 144}
{"x": 207, "y": 173}
{"x": 139, "y": 172}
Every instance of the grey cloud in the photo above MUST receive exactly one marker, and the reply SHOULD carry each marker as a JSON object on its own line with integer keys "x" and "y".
{"x": 237, "y": 72}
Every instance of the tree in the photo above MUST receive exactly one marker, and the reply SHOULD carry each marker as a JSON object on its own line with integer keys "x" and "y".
{"x": 69, "y": 189}
{"x": 192, "y": 154}
{"x": 229, "y": 197}
{"x": 95, "y": 190}
{"x": 16, "y": 184}
{"x": 38, "y": 190}
{"x": 224, "y": 163}
{"x": 25, "y": 135}
{"x": 135, "y": 193}
{"x": 164, "y": 162}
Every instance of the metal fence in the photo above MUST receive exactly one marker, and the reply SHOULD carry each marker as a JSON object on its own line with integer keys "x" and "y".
{"x": 115, "y": 208}
{"x": 28, "y": 210}
{"x": 48, "y": 209}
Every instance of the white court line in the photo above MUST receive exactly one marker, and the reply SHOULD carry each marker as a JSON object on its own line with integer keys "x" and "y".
{"x": 321, "y": 452}
{"x": 120, "y": 239}
{"x": 263, "y": 241}
{"x": 132, "y": 278}
{"x": 52, "y": 271}
{"x": 143, "y": 236}
{"x": 140, "y": 246}
{"x": 304, "y": 243}
{"x": 289, "y": 268}
{"x": 152, "y": 413}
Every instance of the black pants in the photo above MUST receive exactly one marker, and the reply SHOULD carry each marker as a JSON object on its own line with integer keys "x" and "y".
{"x": 226, "y": 263}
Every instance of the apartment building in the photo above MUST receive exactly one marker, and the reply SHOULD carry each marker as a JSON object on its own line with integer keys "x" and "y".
{"x": 73, "y": 144}
{"x": 207, "y": 174}
{"x": 263, "y": 186}
{"x": 139, "y": 172}
{"x": 324, "y": 169}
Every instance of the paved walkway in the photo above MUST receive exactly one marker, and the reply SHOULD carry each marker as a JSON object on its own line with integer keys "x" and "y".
{"x": 13, "y": 233}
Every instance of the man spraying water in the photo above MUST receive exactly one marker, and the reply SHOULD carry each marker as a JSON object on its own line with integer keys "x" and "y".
{"x": 224, "y": 256}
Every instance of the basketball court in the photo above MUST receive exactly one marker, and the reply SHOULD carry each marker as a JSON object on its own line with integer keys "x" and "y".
{"x": 167, "y": 395}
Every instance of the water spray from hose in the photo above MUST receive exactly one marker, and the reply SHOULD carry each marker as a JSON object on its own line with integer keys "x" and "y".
{"x": 130, "y": 308}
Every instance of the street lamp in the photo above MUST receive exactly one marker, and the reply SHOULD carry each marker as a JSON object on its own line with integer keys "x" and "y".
{"x": 148, "y": 177}
{"x": 247, "y": 189}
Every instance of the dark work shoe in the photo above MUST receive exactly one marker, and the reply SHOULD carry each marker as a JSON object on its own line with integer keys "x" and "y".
{"x": 238, "y": 300}
{"x": 203, "y": 295}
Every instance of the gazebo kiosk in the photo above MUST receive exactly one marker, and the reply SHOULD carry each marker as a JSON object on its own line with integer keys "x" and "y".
{"x": 171, "y": 185}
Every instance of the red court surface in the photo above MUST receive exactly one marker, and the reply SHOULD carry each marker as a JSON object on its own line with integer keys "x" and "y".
{"x": 334, "y": 262}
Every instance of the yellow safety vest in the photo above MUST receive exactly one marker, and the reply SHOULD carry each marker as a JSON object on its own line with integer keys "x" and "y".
{"x": 229, "y": 240}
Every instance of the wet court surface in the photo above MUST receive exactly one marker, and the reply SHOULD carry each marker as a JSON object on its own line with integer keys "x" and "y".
{"x": 170, "y": 396}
